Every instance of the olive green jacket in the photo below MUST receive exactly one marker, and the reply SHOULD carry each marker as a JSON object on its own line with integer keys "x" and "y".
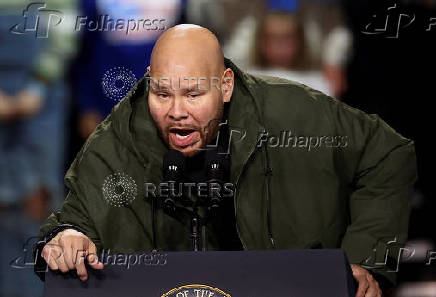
{"x": 342, "y": 179}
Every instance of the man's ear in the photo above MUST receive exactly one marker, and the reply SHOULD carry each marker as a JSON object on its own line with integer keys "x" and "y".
{"x": 148, "y": 69}
{"x": 227, "y": 84}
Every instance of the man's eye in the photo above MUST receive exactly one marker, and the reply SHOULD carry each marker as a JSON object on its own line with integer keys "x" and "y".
{"x": 193, "y": 95}
{"x": 163, "y": 95}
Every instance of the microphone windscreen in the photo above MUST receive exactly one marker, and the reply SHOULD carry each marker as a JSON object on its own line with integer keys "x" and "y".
{"x": 217, "y": 164}
{"x": 174, "y": 164}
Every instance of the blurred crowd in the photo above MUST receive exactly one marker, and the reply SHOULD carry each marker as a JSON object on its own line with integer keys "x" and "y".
{"x": 58, "y": 83}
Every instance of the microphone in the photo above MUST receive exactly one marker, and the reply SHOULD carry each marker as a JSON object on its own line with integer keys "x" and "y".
{"x": 173, "y": 168}
{"x": 217, "y": 170}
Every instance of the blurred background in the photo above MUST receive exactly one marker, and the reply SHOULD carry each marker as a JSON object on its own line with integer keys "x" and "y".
{"x": 65, "y": 63}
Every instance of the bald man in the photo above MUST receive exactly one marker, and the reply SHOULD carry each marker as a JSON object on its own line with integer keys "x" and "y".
{"x": 307, "y": 171}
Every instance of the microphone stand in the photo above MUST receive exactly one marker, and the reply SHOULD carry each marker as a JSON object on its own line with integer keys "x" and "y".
{"x": 195, "y": 228}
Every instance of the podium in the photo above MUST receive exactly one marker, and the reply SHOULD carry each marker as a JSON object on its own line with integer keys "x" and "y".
{"x": 278, "y": 273}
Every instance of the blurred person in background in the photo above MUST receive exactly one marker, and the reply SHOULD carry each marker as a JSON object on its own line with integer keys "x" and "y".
{"x": 303, "y": 41}
{"x": 117, "y": 55}
{"x": 33, "y": 102}
{"x": 281, "y": 43}
{"x": 281, "y": 50}
{"x": 224, "y": 16}
{"x": 335, "y": 57}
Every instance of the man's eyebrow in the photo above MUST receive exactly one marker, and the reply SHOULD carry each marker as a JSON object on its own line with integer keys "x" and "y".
{"x": 158, "y": 86}
{"x": 164, "y": 85}
{"x": 195, "y": 87}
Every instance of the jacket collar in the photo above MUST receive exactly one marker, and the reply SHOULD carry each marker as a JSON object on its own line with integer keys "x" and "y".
{"x": 244, "y": 121}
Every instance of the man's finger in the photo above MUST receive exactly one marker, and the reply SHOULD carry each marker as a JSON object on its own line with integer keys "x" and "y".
{"x": 80, "y": 264}
{"x": 66, "y": 243}
{"x": 93, "y": 258}
{"x": 363, "y": 286}
{"x": 48, "y": 249}
{"x": 372, "y": 290}
{"x": 69, "y": 257}
{"x": 78, "y": 252}
{"x": 50, "y": 253}
{"x": 79, "y": 260}
{"x": 52, "y": 263}
{"x": 60, "y": 261}
{"x": 45, "y": 253}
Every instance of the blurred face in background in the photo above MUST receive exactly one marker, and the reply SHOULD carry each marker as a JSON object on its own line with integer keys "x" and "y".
{"x": 280, "y": 42}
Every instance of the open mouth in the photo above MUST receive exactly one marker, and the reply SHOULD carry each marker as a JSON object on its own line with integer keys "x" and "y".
{"x": 183, "y": 137}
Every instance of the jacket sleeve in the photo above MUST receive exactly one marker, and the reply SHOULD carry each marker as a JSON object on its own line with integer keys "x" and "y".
{"x": 73, "y": 215}
{"x": 381, "y": 166}
{"x": 73, "y": 212}
{"x": 75, "y": 209}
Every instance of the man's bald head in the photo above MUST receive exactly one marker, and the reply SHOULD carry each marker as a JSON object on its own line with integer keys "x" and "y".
{"x": 188, "y": 49}
{"x": 189, "y": 86}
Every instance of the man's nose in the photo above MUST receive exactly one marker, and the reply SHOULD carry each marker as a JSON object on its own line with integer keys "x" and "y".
{"x": 178, "y": 109}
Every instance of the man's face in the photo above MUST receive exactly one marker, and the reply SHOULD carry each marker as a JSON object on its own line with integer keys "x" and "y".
{"x": 187, "y": 110}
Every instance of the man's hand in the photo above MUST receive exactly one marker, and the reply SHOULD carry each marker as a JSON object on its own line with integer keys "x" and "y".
{"x": 368, "y": 286}
{"x": 68, "y": 251}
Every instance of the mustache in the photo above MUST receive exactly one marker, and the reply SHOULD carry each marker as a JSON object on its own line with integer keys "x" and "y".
{"x": 202, "y": 130}
{"x": 182, "y": 127}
